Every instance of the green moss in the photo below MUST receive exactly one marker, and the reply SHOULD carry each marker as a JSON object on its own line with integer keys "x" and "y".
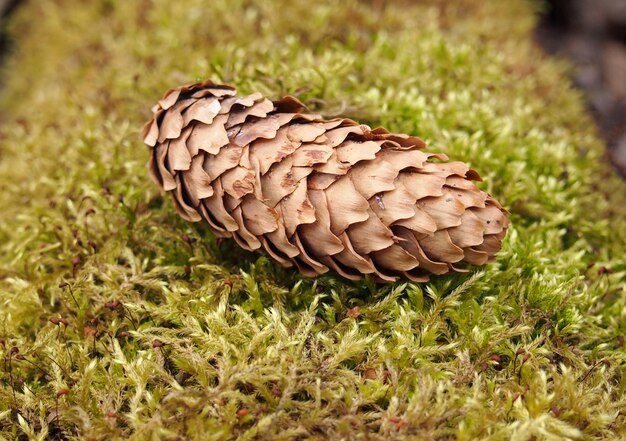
{"x": 530, "y": 347}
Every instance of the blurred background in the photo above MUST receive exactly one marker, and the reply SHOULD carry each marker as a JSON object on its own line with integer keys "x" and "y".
{"x": 591, "y": 34}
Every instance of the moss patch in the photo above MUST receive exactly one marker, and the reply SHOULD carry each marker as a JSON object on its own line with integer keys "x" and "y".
{"x": 132, "y": 324}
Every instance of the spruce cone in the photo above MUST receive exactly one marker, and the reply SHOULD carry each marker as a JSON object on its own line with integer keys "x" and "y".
{"x": 318, "y": 193}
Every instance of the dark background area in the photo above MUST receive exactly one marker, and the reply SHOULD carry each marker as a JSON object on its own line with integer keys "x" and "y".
{"x": 590, "y": 33}
{"x": 6, "y": 6}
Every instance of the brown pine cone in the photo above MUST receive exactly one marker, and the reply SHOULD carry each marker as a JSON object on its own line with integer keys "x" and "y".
{"x": 323, "y": 194}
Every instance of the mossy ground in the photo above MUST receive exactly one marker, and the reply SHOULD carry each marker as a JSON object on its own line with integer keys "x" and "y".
{"x": 169, "y": 333}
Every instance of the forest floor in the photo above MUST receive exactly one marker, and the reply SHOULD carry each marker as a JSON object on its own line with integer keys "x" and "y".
{"x": 119, "y": 320}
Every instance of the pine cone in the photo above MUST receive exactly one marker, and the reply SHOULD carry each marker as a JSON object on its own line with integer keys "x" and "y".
{"x": 318, "y": 193}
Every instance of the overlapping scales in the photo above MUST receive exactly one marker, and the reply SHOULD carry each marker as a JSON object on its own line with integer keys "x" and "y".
{"x": 320, "y": 194}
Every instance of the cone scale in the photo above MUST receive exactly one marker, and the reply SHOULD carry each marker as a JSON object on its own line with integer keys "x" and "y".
{"x": 319, "y": 194}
